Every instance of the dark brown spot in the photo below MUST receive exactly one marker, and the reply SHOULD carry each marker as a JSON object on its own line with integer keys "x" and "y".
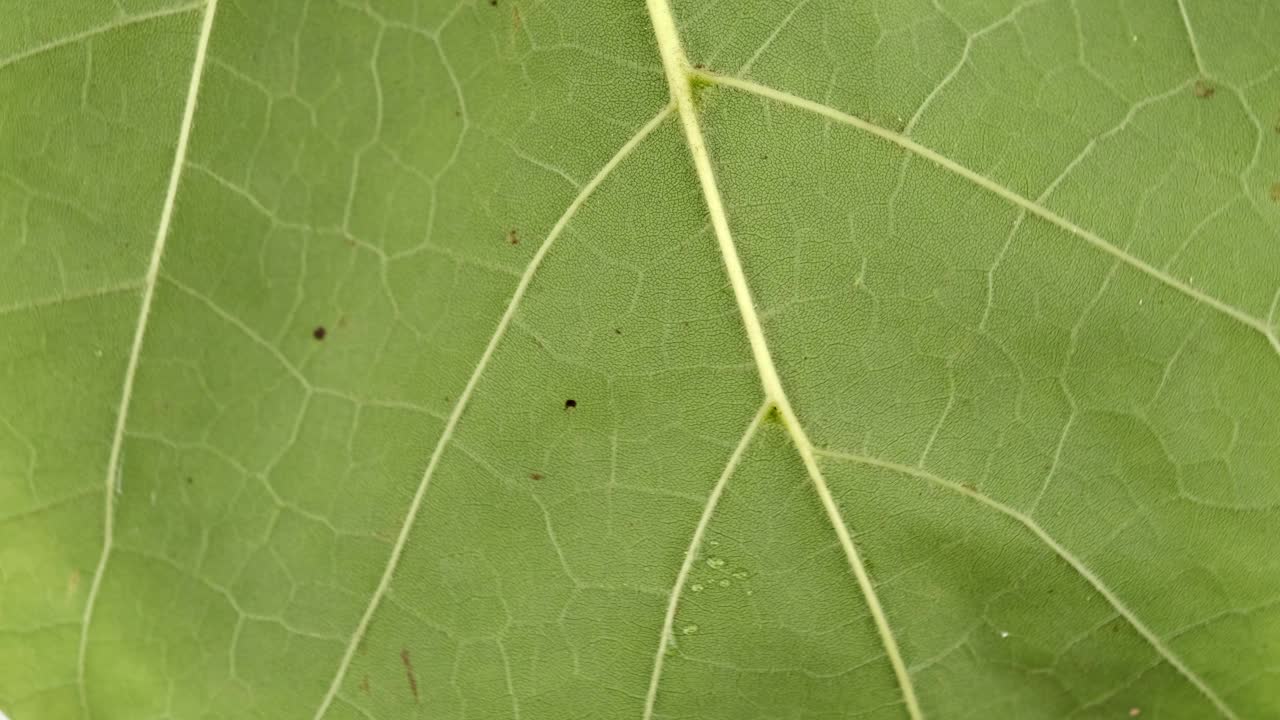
{"x": 319, "y": 332}
{"x": 570, "y": 404}
{"x": 535, "y": 476}
{"x": 408, "y": 672}
{"x": 970, "y": 487}
{"x": 1204, "y": 90}
{"x": 617, "y": 331}
{"x": 493, "y": 3}
{"x": 512, "y": 237}
{"x": 699, "y": 66}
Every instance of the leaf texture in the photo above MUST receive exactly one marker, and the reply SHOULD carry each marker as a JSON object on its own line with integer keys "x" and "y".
{"x": 371, "y": 359}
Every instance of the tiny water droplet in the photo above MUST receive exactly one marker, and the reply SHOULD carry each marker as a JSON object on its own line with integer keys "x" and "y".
{"x": 97, "y": 353}
{"x": 724, "y": 583}
{"x": 715, "y": 562}
{"x": 1004, "y": 633}
{"x": 715, "y": 542}
{"x": 688, "y": 629}
{"x": 696, "y": 587}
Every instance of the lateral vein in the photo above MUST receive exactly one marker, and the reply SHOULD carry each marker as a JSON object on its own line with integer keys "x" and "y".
{"x": 95, "y": 32}
{"x": 999, "y": 190}
{"x": 679, "y": 75}
{"x": 135, "y": 352}
{"x": 460, "y": 406}
{"x": 1066, "y": 555}
{"x": 691, "y": 556}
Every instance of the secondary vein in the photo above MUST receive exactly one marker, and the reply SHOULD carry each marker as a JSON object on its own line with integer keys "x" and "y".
{"x": 135, "y": 353}
{"x": 999, "y": 190}
{"x": 451, "y": 423}
{"x": 691, "y": 557}
{"x": 1163, "y": 650}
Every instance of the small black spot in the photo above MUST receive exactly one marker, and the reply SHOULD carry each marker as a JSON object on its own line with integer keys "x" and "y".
{"x": 617, "y": 331}
{"x": 570, "y": 404}
{"x": 1203, "y": 90}
{"x": 319, "y": 332}
{"x": 513, "y": 238}
{"x": 493, "y": 3}
{"x": 535, "y": 476}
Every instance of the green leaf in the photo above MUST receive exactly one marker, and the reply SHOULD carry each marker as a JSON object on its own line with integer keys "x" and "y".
{"x": 371, "y": 359}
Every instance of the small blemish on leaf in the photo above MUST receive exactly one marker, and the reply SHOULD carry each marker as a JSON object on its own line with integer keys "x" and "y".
{"x": 493, "y": 3}
{"x": 1204, "y": 90}
{"x": 408, "y": 671}
{"x": 617, "y": 331}
{"x": 535, "y": 476}
{"x": 319, "y": 332}
{"x": 364, "y": 684}
{"x": 513, "y": 238}
{"x": 190, "y": 479}
{"x": 773, "y": 415}
{"x": 570, "y": 404}
{"x": 970, "y": 487}
{"x": 1275, "y": 192}
{"x": 1135, "y": 712}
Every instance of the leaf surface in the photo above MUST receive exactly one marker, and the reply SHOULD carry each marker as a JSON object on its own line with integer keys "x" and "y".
{"x": 509, "y": 359}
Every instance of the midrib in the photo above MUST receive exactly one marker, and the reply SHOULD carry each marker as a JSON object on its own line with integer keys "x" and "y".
{"x": 680, "y": 75}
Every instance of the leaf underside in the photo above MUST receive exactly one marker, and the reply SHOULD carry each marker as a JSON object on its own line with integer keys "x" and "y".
{"x": 370, "y": 359}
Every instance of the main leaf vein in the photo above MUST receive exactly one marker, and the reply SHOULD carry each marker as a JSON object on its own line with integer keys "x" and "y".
{"x": 679, "y": 77}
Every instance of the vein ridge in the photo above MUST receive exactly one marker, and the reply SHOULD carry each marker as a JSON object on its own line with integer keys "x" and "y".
{"x": 135, "y": 353}
{"x": 1024, "y": 203}
{"x": 691, "y": 556}
{"x": 90, "y": 34}
{"x": 679, "y": 76}
{"x": 1163, "y": 650}
{"x": 460, "y": 406}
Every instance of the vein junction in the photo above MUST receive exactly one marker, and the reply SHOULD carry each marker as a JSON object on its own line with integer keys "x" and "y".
{"x": 679, "y": 78}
